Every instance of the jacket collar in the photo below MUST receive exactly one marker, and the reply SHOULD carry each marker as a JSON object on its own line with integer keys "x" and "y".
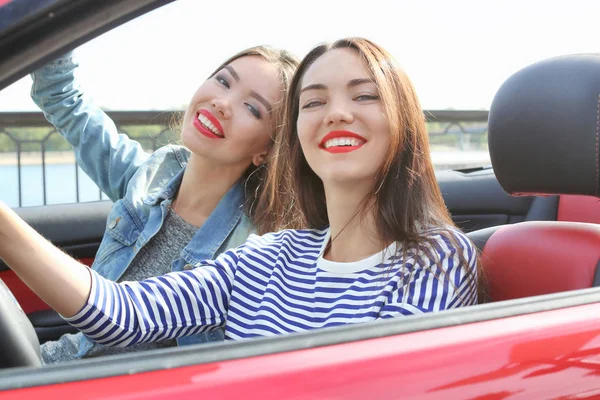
{"x": 167, "y": 193}
{"x": 217, "y": 227}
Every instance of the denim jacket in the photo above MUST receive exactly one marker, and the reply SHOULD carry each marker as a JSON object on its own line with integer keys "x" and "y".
{"x": 142, "y": 186}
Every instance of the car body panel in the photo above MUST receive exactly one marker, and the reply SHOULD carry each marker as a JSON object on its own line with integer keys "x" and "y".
{"x": 549, "y": 354}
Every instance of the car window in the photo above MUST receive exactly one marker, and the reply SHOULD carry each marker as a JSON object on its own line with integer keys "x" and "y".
{"x": 456, "y": 53}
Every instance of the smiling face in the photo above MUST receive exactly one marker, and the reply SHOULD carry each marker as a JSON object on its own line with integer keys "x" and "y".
{"x": 342, "y": 127}
{"x": 229, "y": 119}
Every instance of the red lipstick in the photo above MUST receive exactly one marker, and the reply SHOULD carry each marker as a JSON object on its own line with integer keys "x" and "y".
{"x": 342, "y": 134}
{"x": 204, "y": 129}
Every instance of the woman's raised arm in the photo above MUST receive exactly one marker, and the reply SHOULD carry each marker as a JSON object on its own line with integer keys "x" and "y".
{"x": 109, "y": 158}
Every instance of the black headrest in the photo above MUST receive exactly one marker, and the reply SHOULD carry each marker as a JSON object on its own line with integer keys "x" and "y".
{"x": 543, "y": 128}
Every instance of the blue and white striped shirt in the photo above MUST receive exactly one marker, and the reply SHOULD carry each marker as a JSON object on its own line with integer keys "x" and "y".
{"x": 278, "y": 283}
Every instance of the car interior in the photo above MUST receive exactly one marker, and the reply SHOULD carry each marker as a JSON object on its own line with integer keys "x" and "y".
{"x": 529, "y": 116}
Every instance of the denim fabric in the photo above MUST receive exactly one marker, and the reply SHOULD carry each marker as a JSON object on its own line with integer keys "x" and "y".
{"x": 142, "y": 186}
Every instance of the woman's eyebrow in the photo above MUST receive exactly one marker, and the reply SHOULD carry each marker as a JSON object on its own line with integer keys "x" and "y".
{"x": 257, "y": 96}
{"x": 351, "y": 83}
{"x": 232, "y": 72}
{"x": 358, "y": 81}
{"x": 264, "y": 101}
{"x": 314, "y": 86}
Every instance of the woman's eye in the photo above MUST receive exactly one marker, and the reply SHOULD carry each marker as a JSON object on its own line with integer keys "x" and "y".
{"x": 312, "y": 103}
{"x": 367, "y": 97}
{"x": 253, "y": 110}
{"x": 223, "y": 81}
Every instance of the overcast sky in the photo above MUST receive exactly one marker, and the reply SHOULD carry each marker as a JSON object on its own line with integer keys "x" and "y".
{"x": 456, "y": 52}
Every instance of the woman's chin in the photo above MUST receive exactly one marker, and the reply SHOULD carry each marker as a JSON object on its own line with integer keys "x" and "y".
{"x": 347, "y": 178}
{"x": 194, "y": 143}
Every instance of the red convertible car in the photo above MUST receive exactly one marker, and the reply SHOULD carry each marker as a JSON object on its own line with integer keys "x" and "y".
{"x": 535, "y": 216}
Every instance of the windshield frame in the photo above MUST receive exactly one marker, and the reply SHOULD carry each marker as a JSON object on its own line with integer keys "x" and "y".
{"x": 56, "y": 29}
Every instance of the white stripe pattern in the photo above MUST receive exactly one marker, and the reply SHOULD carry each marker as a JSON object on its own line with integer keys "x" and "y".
{"x": 273, "y": 284}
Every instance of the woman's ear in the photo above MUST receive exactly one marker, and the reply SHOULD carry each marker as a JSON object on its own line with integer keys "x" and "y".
{"x": 259, "y": 159}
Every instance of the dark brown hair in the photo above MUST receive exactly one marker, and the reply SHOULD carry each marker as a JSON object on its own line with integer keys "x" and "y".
{"x": 405, "y": 195}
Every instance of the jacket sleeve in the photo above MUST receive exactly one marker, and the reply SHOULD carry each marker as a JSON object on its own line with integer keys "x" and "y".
{"x": 110, "y": 159}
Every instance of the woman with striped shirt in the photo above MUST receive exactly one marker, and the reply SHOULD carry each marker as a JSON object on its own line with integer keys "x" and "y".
{"x": 380, "y": 242}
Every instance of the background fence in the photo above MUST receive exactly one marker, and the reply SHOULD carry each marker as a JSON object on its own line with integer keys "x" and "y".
{"x": 37, "y": 165}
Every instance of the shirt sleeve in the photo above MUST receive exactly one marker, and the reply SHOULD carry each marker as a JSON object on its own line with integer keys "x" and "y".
{"x": 438, "y": 279}
{"x": 165, "y": 307}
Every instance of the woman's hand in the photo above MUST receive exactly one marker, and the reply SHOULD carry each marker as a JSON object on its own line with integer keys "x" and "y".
{"x": 62, "y": 282}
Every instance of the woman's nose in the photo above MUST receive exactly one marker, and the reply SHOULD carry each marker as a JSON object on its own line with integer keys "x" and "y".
{"x": 338, "y": 114}
{"x": 221, "y": 107}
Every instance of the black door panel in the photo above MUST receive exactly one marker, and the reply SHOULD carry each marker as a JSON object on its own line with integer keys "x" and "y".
{"x": 49, "y": 325}
{"x": 469, "y": 223}
{"x": 76, "y": 228}
{"x": 476, "y": 200}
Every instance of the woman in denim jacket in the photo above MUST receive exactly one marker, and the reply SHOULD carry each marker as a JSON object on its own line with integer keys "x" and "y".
{"x": 179, "y": 205}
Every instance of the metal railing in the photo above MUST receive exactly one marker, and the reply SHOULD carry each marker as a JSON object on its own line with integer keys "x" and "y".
{"x": 25, "y": 132}
{"x": 461, "y": 124}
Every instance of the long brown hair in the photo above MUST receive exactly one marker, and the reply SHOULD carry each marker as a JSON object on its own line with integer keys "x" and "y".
{"x": 261, "y": 194}
{"x": 405, "y": 195}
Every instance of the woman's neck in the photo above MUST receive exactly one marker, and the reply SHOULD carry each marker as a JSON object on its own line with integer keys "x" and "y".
{"x": 202, "y": 187}
{"x": 352, "y": 224}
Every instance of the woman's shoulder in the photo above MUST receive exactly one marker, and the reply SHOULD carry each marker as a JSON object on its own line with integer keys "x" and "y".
{"x": 289, "y": 237}
{"x": 167, "y": 161}
{"x": 449, "y": 237}
{"x": 152, "y": 176}
{"x": 169, "y": 156}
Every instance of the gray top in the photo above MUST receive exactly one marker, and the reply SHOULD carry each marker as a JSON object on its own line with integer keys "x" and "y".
{"x": 154, "y": 259}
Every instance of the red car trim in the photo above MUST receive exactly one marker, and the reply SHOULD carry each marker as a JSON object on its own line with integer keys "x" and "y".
{"x": 563, "y": 256}
{"x": 486, "y": 360}
{"x": 579, "y": 209}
